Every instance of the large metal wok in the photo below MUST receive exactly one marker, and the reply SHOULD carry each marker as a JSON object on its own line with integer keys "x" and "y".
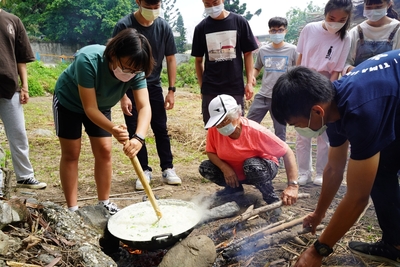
{"x": 139, "y": 227}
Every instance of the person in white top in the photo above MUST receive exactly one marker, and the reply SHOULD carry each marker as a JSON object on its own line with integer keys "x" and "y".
{"x": 376, "y": 35}
{"x": 323, "y": 46}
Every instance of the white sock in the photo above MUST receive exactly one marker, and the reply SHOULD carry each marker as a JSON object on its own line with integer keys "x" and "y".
{"x": 73, "y": 208}
{"x": 104, "y": 202}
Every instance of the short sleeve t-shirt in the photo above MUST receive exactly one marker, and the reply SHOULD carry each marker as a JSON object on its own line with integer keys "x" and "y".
{"x": 223, "y": 43}
{"x": 322, "y": 51}
{"x": 368, "y": 101}
{"x": 255, "y": 141}
{"x": 159, "y": 34}
{"x": 15, "y": 48}
{"x": 90, "y": 69}
{"x": 275, "y": 62}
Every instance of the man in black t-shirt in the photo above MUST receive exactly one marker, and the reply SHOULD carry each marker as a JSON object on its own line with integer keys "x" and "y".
{"x": 223, "y": 38}
{"x": 146, "y": 21}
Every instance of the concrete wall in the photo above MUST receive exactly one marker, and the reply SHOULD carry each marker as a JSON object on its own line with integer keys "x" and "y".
{"x": 52, "y": 53}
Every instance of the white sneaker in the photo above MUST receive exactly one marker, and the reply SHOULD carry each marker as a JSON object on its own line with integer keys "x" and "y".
{"x": 169, "y": 177}
{"x": 318, "y": 180}
{"x": 304, "y": 179}
{"x": 147, "y": 175}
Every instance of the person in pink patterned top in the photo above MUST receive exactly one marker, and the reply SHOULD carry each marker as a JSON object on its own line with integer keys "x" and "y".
{"x": 241, "y": 151}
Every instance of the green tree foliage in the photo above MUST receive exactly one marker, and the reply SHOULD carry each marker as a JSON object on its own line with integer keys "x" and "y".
{"x": 171, "y": 13}
{"x": 180, "y": 40}
{"x": 298, "y": 18}
{"x": 83, "y": 22}
{"x": 235, "y": 7}
{"x": 72, "y": 22}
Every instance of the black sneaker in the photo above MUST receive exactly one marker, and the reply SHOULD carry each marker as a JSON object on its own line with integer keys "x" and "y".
{"x": 379, "y": 251}
{"x": 31, "y": 183}
{"x": 111, "y": 207}
{"x": 230, "y": 192}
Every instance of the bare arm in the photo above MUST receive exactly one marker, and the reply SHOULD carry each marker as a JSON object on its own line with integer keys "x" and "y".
{"x": 23, "y": 75}
{"x": 89, "y": 103}
{"x": 171, "y": 69}
{"x": 248, "y": 65}
{"x": 299, "y": 57}
{"x": 143, "y": 108}
{"x": 289, "y": 195}
{"x": 199, "y": 69}
{"x": 334, "y": 76}
{"x": 230, "y": 176}
{"x": 360, "y": 179}
{"x": 141, "y": 97}
{"x": 256, "y": 72}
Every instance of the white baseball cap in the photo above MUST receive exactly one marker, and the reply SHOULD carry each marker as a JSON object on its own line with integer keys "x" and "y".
{"x": 218, "y": 108}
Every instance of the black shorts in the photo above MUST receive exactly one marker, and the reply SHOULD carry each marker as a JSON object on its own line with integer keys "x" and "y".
{"x": 69, "y": 124}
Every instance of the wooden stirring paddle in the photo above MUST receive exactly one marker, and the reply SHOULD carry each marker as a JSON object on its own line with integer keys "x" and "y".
{"x": 146, "y": 186}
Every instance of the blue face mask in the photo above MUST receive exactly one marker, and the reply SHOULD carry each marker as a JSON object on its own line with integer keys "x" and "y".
{"x": 310, "y": 133}
{"x": 277, "y": 38}
{"x": 227, "y": 130}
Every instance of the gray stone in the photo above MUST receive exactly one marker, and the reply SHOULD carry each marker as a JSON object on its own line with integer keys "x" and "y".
{"x": 83, "y": 237}
{"x": 3, "y": 243}
{"x": 224, "y": 211}
{"x": 46, "y": 258}
{"x": 95, "y": 216}
{"x": 12, "y": 211}
{"x": 193, "y": 251}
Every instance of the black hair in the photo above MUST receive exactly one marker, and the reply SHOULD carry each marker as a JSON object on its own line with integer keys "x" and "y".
{"x": 297, "y": 91}
{"x": 151, "y": 2}
{"x": 391, "y": 13}
{"x": 346, "y": 6}
{"x": 277, "y": 22}
{"x": 129, "y": 43}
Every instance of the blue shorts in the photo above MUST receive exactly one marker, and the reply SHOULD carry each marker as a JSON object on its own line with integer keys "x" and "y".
{"x": 68, "y": 124}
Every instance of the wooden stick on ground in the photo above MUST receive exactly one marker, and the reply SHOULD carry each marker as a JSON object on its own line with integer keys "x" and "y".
{"x": 247, "y": 214}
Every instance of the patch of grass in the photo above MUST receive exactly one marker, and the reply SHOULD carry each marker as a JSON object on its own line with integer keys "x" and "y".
{"x": 42, "y": 79}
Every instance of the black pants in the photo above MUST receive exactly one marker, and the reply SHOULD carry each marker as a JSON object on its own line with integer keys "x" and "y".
{"x": 158, "y": 124}
{"x": 259, "y": 172}
{"x": 386, "y": 193}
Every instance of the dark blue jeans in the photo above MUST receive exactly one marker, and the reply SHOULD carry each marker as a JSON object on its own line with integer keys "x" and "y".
{"x": 259, "y": 172}
{"x": 158, "y": 124}
{"x": 386, "y": 193}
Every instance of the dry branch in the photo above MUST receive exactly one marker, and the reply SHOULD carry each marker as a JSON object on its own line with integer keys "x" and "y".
{"x": 247, "y": 214}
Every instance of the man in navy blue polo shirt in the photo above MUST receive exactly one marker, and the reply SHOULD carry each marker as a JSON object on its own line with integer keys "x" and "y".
{"x": 361, "y": 110}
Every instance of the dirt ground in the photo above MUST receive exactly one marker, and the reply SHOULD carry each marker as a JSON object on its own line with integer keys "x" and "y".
{"x": 188, "y": 141}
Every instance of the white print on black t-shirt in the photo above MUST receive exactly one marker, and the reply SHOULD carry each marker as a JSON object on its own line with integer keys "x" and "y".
{"x": 276, "y": 63}
{"x": 381, "y": 66}
{"x": 221, "y": 45}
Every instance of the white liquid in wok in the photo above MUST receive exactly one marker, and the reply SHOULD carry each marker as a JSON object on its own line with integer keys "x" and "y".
{"x": 138, "y": 222}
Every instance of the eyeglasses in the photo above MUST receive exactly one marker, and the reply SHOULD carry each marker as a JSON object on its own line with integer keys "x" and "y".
{"x": 127, "y": 70}
{"x": 280, "y": 30}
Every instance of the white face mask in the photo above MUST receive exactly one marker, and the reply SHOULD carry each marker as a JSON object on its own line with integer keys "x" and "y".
{"x": 227, "y": 130}
{"x": 310, "y": 133}
{"x": 214, "y": 11}
{"x": 150, "y": 14}
{"x": 375, "y": 14}
{"x": 277, "y": 38}
{"x": 123, "y": 76}
{"x": 334, "y": 27}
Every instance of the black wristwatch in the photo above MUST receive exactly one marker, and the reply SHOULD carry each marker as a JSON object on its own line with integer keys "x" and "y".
{"x": 139, "y": 138}
{"x": 172, "y": 88}
{"x": 322, "y": 249}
